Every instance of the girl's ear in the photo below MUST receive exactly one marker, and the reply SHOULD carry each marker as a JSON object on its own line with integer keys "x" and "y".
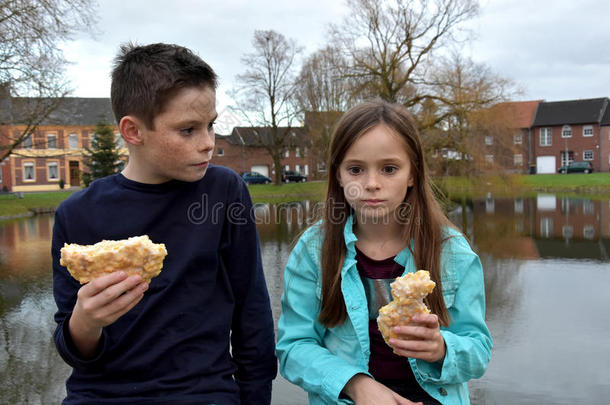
{"x": 410, "y": 182}
{"x": 130, "y": 129}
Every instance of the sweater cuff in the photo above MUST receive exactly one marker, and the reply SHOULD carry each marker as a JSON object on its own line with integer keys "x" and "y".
{"x": 69, "y": 352}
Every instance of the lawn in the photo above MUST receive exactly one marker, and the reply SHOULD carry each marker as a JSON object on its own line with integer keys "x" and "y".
{"x": 595, "y": 184}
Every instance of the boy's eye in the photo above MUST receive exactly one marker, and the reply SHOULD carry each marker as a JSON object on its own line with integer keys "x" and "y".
{"x": 354, "y": 170}
{"x": 211, "y": 125}
{"x": 187, "y": 131}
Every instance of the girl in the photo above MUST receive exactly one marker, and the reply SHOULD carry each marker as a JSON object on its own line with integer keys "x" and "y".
{"x": 380, "y": 221}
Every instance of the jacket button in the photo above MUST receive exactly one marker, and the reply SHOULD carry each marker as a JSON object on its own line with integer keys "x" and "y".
{"x": 442, "y": 391}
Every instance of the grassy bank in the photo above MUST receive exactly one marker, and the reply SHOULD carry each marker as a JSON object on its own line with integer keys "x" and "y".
{"x": 595, "y": 184}
{"x": 592, "y": 185}
{"x": 11, "y": 205}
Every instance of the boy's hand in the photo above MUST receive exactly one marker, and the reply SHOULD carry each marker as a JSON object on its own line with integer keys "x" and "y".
{"x": 363, "y": 390}
{"x": 421, "y": 339}
{"x": 99, "y": 303}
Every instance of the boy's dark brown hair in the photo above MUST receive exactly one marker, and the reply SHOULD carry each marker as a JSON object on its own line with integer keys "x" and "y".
{"x": 145, "y": 78}
{"x": 423, "y": 221}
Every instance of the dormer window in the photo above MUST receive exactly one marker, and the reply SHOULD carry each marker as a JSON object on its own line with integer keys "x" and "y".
{"x": 566, "y": 131}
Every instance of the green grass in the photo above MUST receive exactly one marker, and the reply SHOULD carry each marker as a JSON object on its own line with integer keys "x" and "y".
{"x": 596, "y": 185}
{"x": 11, "y": 205}
{"x": 287, "y": 192}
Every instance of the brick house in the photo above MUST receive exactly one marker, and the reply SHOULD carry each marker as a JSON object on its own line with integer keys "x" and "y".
{"x": 243, "y": 151}
{"x": 604, "y": 130}
{"x": 567, "y": 131}
{"x": 55, "y": 149}
{"x": 515, "y": 120}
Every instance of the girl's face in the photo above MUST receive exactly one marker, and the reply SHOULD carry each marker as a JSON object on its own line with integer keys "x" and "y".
{"x": 375, "y": 174}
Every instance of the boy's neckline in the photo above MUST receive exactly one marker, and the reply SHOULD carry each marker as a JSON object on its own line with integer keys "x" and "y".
{"x": 147, "y": 187}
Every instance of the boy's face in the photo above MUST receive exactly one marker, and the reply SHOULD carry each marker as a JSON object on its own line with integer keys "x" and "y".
{"x": 182, "y": 142}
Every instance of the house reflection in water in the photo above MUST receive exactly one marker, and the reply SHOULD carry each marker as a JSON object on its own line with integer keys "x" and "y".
{"x": 546, "y": 226}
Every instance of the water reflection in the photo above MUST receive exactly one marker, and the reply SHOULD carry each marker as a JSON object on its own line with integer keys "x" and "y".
{"x": 546, "y": 267}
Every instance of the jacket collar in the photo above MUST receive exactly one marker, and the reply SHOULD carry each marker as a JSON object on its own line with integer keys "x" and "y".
{"x": 350, "y": 243}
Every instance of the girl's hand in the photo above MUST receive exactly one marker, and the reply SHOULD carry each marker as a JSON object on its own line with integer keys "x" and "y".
{"x": 363, "y": 390}
{"x": 421, "y": 339}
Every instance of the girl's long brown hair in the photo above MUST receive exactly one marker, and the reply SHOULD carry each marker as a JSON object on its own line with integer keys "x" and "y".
{"x": 424, "y": 221}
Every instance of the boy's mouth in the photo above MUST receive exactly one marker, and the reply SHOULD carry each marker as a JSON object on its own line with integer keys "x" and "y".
{"x": 201, "y": 165}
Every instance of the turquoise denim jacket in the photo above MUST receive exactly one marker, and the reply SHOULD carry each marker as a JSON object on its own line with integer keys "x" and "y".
{"x": 321, "y": 360}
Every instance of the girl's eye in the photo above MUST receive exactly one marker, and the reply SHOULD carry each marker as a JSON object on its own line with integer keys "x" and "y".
{"x": 354, "y": 170}
{"x": 390, "y": 169}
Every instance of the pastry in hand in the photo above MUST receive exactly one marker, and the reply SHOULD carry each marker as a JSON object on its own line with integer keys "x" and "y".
{"x": 135, "y": 255}
{"x": 408, "y": 292}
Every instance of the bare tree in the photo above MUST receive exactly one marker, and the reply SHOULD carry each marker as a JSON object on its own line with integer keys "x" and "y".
{"x": 322, "y": 95}
{"x": 460, "y": 115}
{"x": 266, "y": 92}
{"x": 32, "y": 79}
{"x": 389, "y": 44}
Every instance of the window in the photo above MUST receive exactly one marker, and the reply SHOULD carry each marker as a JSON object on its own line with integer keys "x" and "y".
{"x": 297, "y": 168}
{"x": 587, "y": 130}
{"x": 287, "y": 153}
{"x": 587, "y": 155}
{"x": 546, "y": 227}
{"x": 51, "y": 141}
{"x": 545, "y": 137}
{"x": 73, "y": 141}
{"x": 435, "y": 153}
{"x": 306, "y": 170}
{"x": 588, "y": 232}
{"x": 567, "y": 231}
{"x": 287, "y": 167}
{"x": 489, "y": 159}
{"x": 518, "y": 139}
{"x": 0, "y": 175}
{"x": 27, "y": 142}
{"x": 489, "y": 140}
{"x": 566, "y": 131}
{"x": 298, "y": 152}
{"x": 52, "y": 171}
{"x": 220, "y": 152}
{"x": 28, "y": 172}
{"x": 321, "y": 166}
{"x": 566, "y": 158}
{"x": 518, "y": 159}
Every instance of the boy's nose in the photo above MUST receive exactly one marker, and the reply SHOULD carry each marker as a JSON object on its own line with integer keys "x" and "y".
{"x": 206, "y": 142}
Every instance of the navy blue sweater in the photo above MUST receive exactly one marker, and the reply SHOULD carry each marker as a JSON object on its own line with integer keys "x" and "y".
{"x": 203, "y": 333}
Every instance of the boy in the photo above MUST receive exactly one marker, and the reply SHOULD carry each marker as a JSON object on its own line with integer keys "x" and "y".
{"x": 166, "y": 342}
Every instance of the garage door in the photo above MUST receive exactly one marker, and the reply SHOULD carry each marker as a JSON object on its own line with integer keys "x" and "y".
{"x": 262, "y": 169}
{"x": 545, "y": 164}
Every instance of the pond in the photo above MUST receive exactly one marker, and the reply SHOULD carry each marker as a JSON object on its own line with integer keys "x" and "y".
{"x": 547, "y": 272}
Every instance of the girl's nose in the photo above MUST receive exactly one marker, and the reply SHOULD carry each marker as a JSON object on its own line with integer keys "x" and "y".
{"x": 372, "y": 182}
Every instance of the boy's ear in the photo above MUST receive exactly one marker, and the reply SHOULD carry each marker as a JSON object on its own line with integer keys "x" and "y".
{"x": 130, "y": 129}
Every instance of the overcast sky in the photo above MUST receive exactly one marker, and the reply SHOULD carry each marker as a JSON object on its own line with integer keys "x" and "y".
{"x": 553, "y": 49}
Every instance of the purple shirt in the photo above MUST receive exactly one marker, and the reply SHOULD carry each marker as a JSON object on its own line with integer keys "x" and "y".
{"x": 384, "y": 365}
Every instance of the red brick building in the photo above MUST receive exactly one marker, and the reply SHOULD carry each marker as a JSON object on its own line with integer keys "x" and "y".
{"x": 244, "y": 151}
{"x": 567, "y": 131}
{"x": 54, "y": 151}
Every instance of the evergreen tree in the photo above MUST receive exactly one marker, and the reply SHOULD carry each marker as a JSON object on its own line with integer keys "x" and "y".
{"x": 103, "y": 157}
